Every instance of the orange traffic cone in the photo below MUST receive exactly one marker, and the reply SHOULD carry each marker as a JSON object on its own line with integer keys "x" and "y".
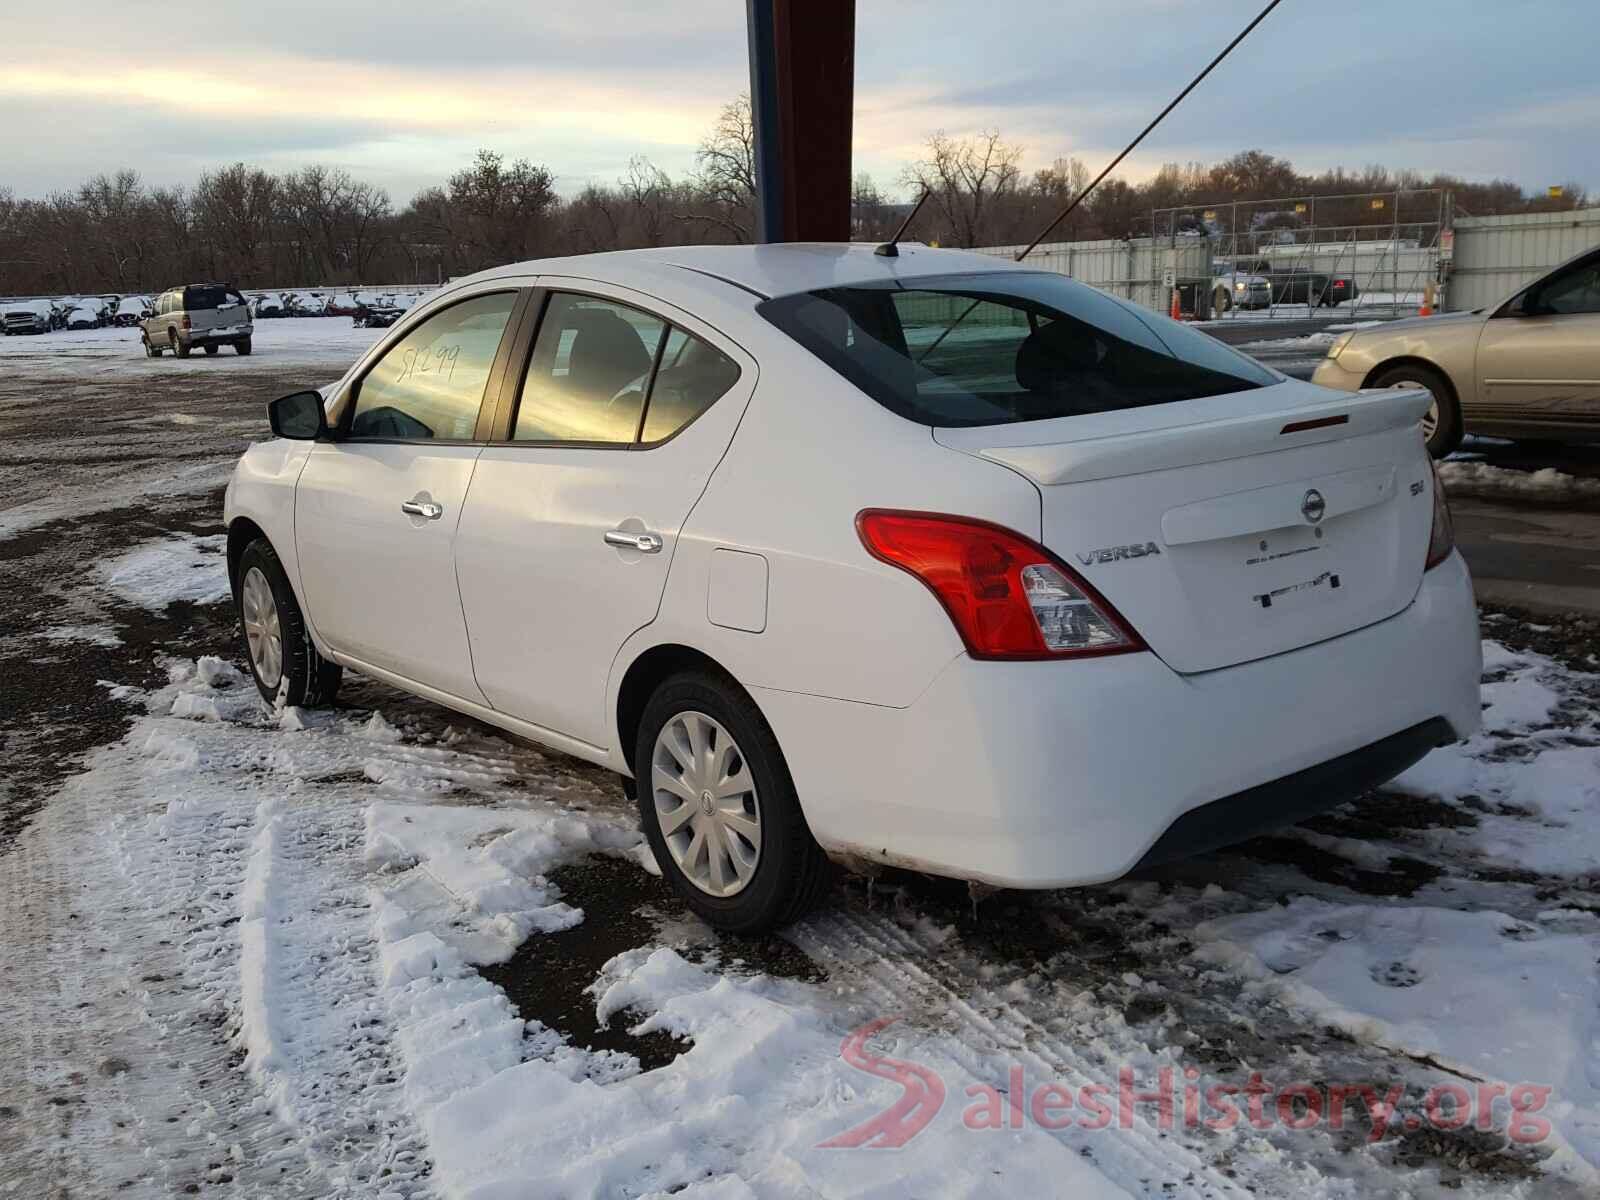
{"x": 1177, "y": 306}
{"x": 1427, "y": 302}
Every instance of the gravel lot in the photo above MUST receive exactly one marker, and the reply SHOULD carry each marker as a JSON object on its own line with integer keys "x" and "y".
{"x": 213, "y": 914}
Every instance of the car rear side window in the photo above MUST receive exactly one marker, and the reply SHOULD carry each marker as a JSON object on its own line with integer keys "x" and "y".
{"x": 1002, "y": 347}
{"x": 590, "y": 372}
{"x": 430, "y": 384}
{"x": 693, "y": 376}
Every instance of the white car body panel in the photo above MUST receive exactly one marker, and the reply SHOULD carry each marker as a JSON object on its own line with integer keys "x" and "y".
{"x": 904, "y": 748}
{"x": 379, "y": 585}
{"x": 1083, "y": 765}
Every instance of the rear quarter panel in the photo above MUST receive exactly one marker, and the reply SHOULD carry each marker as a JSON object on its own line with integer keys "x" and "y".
{"x": 810, "y": 453}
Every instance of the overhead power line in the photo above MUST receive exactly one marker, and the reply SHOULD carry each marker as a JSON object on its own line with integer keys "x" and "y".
{"x": 1176, "y": 100}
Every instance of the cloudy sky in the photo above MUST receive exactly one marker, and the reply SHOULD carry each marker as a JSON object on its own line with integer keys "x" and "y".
{"x": 402, "y": 92}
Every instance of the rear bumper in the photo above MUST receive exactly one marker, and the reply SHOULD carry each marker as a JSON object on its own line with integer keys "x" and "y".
{"x": 1048, "y": 774}
{"x": 233, "y": 333}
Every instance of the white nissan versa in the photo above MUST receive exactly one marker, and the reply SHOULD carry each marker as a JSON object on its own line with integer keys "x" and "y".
{"x": 927, "y": 560}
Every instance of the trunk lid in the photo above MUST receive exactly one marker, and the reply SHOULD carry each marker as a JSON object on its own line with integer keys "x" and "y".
{"x": 1234, "y": 527}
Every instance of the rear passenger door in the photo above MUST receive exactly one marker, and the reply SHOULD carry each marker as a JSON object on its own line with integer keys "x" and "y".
{"x": 620, "y": 412}
{"x": 378, "y": 506}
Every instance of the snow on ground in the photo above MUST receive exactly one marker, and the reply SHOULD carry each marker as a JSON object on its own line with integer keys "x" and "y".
{"x": 330, "y": 881}
{"x": 330, "y": 341}
{"x": 1544, "y": 486}
{"x": 182, "y": 566}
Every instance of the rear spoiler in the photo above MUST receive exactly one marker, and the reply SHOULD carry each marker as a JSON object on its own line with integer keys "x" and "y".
{"x": 1349, "y": 415}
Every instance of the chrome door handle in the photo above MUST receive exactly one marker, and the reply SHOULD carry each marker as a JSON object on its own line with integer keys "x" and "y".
{"x": 644, "y": 543}
{"x": 422, "y": 508}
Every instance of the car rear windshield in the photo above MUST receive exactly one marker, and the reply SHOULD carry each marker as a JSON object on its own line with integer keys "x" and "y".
{"x": 1001, "y": 347}
{"x": 197, "y": 298}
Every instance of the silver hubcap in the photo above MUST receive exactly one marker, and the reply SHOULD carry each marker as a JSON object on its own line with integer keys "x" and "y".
{"x": 262, "y": 632}
{"x": 1430, "y": 419}
{"x": 706, "y": 804}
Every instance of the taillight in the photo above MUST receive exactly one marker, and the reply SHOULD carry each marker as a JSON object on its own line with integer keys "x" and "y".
{"x": 1008, "y": 597}
{"x": 1442, "y": 538}
{"x": 186, "y": 320}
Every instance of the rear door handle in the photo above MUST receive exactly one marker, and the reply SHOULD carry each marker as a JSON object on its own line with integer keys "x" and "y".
{"x": 422, "y": 508}
{"x": 644, "y": 543}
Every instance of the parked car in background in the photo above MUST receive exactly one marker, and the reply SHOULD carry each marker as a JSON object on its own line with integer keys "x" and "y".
{"x": 305, "y": 304}
{"x": 997, "y": 606}
{"x": 1234, "y": 288}
{"x": 1292, "y": 284}
{"x": 379, "y": 313}
{"x": 28, "y": 316}
{"x": 1528, "y": 368}
{"x": 268, "y": 305}
{"x": 131, "y": 310}
{"x": 81, "y": 316}
{"x": 341, "y": 305}
{"x": 204, "y": 315}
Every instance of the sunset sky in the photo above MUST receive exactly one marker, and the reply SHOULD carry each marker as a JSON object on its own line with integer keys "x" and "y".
{"x": 401, "y": 93}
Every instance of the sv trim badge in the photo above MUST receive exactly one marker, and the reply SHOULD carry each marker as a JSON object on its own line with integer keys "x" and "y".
{"x": 1114, "y": 553}
{"x": 1313, "y": 506}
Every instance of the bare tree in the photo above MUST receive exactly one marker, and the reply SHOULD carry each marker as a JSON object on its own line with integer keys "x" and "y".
{"x": 727, "y": 170}
{"x": 966, "y": 177}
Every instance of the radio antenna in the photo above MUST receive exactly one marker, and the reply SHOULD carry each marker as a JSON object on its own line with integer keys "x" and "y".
{"x": 890, "y": 249}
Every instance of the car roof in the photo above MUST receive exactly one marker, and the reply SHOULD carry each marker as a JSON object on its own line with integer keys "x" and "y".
{"x": 766, "y": 270}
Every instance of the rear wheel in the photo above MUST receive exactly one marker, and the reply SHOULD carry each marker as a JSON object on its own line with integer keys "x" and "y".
{"x": 719, "y": 809}
{"x": 1441, "y": 424}
{"x": 282, "y": 658}
{"x": 178, "y": 347}
{"x": 212, "y": 347}
{"x": 242, "y": 346}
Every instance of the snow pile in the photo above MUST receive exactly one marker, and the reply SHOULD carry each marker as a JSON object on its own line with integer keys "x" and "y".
{"x": 512, "y": 1110}
{"x": 1544, "y": 486}
{"x": 181, "y": 566}
{"x": 1480, "y": 993}
{"x": 1539, "y": 809}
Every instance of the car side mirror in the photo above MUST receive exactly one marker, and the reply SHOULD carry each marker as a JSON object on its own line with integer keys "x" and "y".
{"x": 299, "y": 416}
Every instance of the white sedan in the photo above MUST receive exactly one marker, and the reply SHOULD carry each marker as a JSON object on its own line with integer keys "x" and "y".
{"x": 929, "y": 561}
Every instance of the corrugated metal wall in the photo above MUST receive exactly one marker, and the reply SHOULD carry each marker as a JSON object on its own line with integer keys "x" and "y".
{"x": 1494, "y": 256}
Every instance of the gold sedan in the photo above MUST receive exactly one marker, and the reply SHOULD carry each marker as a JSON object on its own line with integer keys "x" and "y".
{"x": 1528, "y": 369}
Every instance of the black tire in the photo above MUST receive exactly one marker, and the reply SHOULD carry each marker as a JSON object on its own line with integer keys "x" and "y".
{"x": 178, "y": 347}
{"x": 242, "y": 346}
{"x": 792, "y": 873}
{"x": 151, "y": 350}
{"x": 212, "y": 347}
{"x": 1447, "y": 430}
{"x": 308, "y": 680}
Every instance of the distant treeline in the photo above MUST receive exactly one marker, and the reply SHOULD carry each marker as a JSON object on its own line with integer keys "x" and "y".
{"x": 320, "y": 225}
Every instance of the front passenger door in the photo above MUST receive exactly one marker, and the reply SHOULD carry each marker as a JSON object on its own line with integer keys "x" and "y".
{"x": 377, "y": 507}
{"x": 1540, "y": 361}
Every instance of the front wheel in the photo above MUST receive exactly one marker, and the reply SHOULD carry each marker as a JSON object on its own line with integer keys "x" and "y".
{"x": 1441, "y": 424}
{"x": 719, "y": 809}
{"x": 283, "y": 660}
{"x": 151, "y": 350}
